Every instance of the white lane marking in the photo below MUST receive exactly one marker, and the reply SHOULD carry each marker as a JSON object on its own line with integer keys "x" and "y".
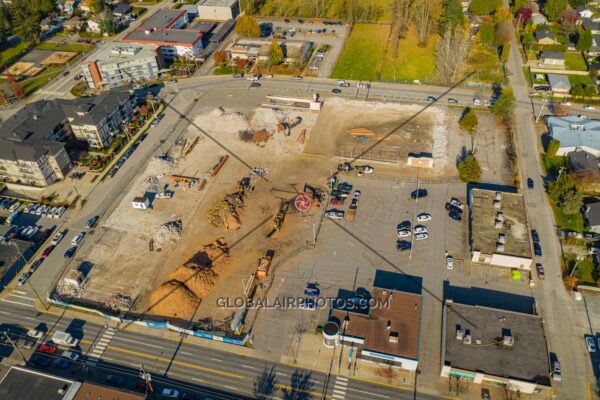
{"x": 198, "y": 380}
{"x": 19, "y": 292}
{"x": 248, "y": 366}
{"x": 16, "y": 302}
{"x": 342, "y": 392}
{"x": 29, "y": 318}
{"x": 134, "y": 365}
{"x": 231, "y": 387}
{"x": 341, "y": 383}
{"x": 369, "y": 393}
{"x": 185, "y": 353}
{"x": 216, "y": 359}
{"x": 21, "y": 297}
{"x": 281, "y": 373}
{"x": 137, "y": 342}
{"x": 338, "y": 396}
{"x": 341, "y": 378}
{"x": 4, "y": 312}
{"x": 109, "y": 359}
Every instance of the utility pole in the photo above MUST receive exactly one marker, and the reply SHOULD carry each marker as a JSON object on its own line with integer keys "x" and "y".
{"x": 544, "y": 101}
{"x": 147, "y": 378}
{"x": 14, "y": 345}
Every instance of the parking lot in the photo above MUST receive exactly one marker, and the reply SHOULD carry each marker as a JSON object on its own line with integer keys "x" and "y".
{"x": 332, "y": 35}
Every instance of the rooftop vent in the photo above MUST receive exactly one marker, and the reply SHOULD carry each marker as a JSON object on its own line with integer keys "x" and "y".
{"x": 502, "y": 238}
{"x": 577, "y": 127}
{"x": 508, "y": 340}
{"x": 460, "y": 334}
{"x": 393, "y": 337}
{"x": 498, "y": 196}
{"x": 467, "y": 339}
{"x": 497, "y": 204}
{"x": 498, "y": 224}
{"x": 499, "y": 246}
{"x": 500, "y": 216}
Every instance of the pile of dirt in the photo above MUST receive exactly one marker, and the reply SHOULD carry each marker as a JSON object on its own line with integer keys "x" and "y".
{"x": 189, "y": 283}
{"x": 251, "y": 136}
{"x": 167, "y": 234}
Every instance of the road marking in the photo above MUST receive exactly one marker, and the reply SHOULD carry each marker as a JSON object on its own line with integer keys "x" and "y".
{"x": 337, "y": 396}
{"x": 4, "y": 312}
{"x": 216, "y": 359}
{"x": 19, "y": 291}
{"x": 281, "y": 373}
{"x": 185, "y": 353}
{"x": 21, "y": 297}
{"x": 198, "y": 380}
{"x": 369, "y": 393}
{"x": 317, "y": 394}
{"x": 184, "y": 364}
{"x": 231, "y": 387}
{"x": 16, "y": 302}
{"x": 248, "y": 366}
{"x": 137, "y": 342}
{"x": 342, "y": 392}
{"x": 341, "y": 383}
{"x": 341, "y": 378}
{"x": 382, "y": 384}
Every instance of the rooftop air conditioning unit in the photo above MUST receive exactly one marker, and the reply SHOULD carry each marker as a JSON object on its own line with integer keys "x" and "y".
{"x": 497, "y": 204}
{"x": 498, "y": 196}
{"x": 467, "y": 339}
{"x": 393, "y": 337}
{"x": 499, "y": 246}
{"x": 502, "y": 238}
{"x": 500, "y": 216}
{"x": 498, "y": 224}
{"x": 478, "y": 341}
{"x": 460, "y": 334}
{"x": 508, "y": 340}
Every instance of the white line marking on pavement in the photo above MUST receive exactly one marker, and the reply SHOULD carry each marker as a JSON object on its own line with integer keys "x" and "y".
{"x": 19, "y": 292}
{"x": 4, "y": 312}
{"x": 185, "y": 353}
{"x": 337, "y": 396}
{"x": 342, "y": 392}
{"x": 281, "y": 373}
{"x": 137, "y": 342}
{"x": 248, "y": 366}
{"x": 198, "y": 380}
{"x": 216, "y": 359}
{"x": 109, "y": 359}
{"x": 341, "y": 383}
{"x": 231, "y": 387}
{"x": 21, "y": 297}
{"x": 16, "y": 302}
{"x": 369, "y": 393}
{"x": 341, "y": 378}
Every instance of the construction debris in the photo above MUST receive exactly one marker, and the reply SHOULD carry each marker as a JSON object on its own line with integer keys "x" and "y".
{"x": 285, "y": 125}
{"x": 302, "y": 136}
{"x": 166, "y": 234}
{"x": 251, "y": 136}
{"x": 264, "y": 263}
{"x": 185, "y": 152}
{"x": 160, "y": 165}
{"x": 119, "y": 302}
{"x": 217, "y": 167}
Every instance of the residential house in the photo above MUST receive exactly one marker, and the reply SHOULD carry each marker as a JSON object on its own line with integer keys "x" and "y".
{"x": 73, "y": 24}
{"x": 121, "y": 64}
{"x": 121, "y": 9}
{"x": 545, "y": 37}
{"x": 592, "y": 24}
{"x": 85, "y": 8}
{"x": 584, "y": 11}
{"x": 595, "y": 48}
{"x": 552, "y": 58}
{"x": 575, "y": 133}
{"x": 591, "y": 214}
{"x": 582, "y": 161}
{"x": 538, "y": 19}
{"x": 559, "y": 83}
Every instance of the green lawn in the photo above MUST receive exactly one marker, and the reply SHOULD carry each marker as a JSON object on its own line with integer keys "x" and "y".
{"x": 580, "y": 80}
{"x": 363, "y": 53}
{"x": 46, "y": 46}
{"x": 77, "y": 47}
{"x": 413, "y": 62}
{"x": 12, "y": 54}
{"x": 585, "y": 268}
{"x": 46, "y": 76}
{"x": 573, "y": 222}
{"x": 575, "y": 62}
{"x": 554, "y": 164}
{"x": 227, "y": 70}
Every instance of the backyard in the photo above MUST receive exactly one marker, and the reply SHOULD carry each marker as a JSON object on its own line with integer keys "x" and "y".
{"x": 363, "y": 53}
{"x": 575, "y": 62}
{"x": 413, "y": 62}
{"x": 585, "y": 272}
{"x": 571, "y": 222}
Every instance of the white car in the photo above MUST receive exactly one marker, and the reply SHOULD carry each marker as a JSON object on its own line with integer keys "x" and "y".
{"x": 589, "y": 343}
{"x": 14, "y": 206}
{"x": 39, "y": 210}
{"x": 589, "y": 107}
{"x": 58, "y": 237}
{"x": 32, "y": 232}
{"x": 252, "y": 78}
{"x": 423, "y": 217}
{"x": 420, "y": 229}
{"x": 60, "y": 212}
{"x": 457, "y": 203}
{"x": 566, "y": 103}
{"x": 403, "y": 233}
{"x": 340, "y": 81}
{"x": 77, "y": 238}
{"x": 356, "y": 194}
{"x": 70, "y": 355}
{"x": 170, "y": 393}
{"x": 421, "y": 236}
{"x": 268, "y": 76}
{"x": 449, "y": 262}
{"x": 34, "y": 333}
{"x": 334, "y": 214}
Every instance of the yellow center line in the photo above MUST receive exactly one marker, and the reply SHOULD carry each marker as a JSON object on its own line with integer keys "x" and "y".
{"x": 280, "y": 386}
{"x": 183, "y": 364}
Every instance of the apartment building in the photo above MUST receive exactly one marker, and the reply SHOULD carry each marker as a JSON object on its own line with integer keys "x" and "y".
{"x": 122, "y": 64}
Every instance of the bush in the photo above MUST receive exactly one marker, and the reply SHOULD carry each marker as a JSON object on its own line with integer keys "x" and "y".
{"x": 468, "y": 121}
{"x": 469, "y": 170}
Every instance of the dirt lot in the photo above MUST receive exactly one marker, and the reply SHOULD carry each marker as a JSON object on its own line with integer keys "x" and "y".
{"x": 200, "y": 262}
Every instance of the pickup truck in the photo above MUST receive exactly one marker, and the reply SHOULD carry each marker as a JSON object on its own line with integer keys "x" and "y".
{"x": 350, "y": 214}
{"x": 65, "y": 339}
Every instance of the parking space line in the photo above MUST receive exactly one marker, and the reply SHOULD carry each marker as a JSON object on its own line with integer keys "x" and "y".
{"x": 16, "y": 302}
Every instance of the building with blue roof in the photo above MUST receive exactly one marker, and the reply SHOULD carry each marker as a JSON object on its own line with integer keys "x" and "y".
{"x": 575, "y": 133}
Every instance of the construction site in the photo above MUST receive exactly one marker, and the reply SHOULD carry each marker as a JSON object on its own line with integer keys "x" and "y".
{"x": 241, "y": 190}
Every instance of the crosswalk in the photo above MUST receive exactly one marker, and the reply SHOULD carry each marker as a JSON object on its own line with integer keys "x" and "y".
{"x": 339, "y": 389}
{"x": 21, "y": 298}
{"x": 101, "y": 345}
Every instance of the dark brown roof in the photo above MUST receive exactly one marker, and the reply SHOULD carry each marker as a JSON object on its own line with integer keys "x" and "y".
{"x": 90, "y": 391}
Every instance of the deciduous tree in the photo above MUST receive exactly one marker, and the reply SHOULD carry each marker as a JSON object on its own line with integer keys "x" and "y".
{"x": 220, "y": 57}
{"x": 468, "y": 121}
{"x": 502, "y": 33}
{"x": 553, "y": 147}
{"x": 427, "y": 13}
{"x": 451, "y": 52}
{"x": 552, "y": 8}
{"x": 275, "y": 53}
{"x": 247, "y": 26}
{"x": 469, "y": 170}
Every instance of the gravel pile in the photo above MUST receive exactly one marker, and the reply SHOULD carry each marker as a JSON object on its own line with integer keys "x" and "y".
{"x": 167, "y": 234}
{"x": 160, "y": 165}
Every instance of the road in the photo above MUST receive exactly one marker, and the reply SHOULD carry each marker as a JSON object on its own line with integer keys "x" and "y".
{"x": 563, "y": 325}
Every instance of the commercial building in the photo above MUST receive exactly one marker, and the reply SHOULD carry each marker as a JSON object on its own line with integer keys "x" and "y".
{"x": 219, "y": 10}
{"x": 499, "y": 347}
{"x": 499, "y": 233}
{"x": 258, "y": 49}
{"x": 575, "y": 133}
{"x": 32, "y": 151}
{"x": 381, "y": 327}
{"x": 164, "y": 28}
{"x": 122, "y": 64}
{"x": 98, "y": 119}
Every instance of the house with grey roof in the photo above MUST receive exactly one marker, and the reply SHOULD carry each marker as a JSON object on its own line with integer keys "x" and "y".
{"x": 552, "y": 58}
{"x": 575, "y": 133}
{"x": 584, "y": 11}
{"x": 545, "y": 37}
{"x": 559, "y": 83}
{"x": 592, "y": 24}
{"x": 582, "y": 161}
{"x": 591, "y": 216}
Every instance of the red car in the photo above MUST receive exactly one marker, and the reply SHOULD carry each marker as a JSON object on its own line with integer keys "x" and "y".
{"x": 44, "y": 348}
{"x": 337, "y": 202}
{"x": 48, "y": 250}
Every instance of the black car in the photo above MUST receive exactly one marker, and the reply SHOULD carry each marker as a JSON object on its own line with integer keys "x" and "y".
{"x": 455, "y": 216}
{"x": 69, "y": 253}
{"x": 404, "y": 225}
{"x": 115, "y": 379}
{"x": 300, "y": 21}
{"x": 537, "y": 249}
{"x": 543, "y": 88}
{"x": 431, "y": 98}
{"x": 354, "y": 204}
{"x": 403, "y": 245}
{"x": 418, "y": 193}
{"x": 530, "y": 183}
{"x": 336, "y": 91}
{"x": 287, "y": 21}
{"x": 453, "y": 208}
{"x": 535, "y": 236}
{"x": 344, "y": 187}
{"x": 340, "y": 194}
{"x": 41, "y": 361}
{"x": 540, "y": 271}
{"x": 255, "y": 84}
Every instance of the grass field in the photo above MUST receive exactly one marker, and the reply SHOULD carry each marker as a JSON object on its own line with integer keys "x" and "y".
{"x": 46, "y": 46}
{"x": 77, "y": 47}
{"x": 585, "y": 268}
{"x": 575, "y": 62}
{"x": 573, "y": 222}
{"x": 12, "y": 54}
{"x": 485, "y": 63}
{"x": 363, "y": 53}
{"x": 585, "y": 80}
{"x": 413, "y": 62}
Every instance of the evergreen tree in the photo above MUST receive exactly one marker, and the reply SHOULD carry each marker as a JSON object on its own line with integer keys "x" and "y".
{"x": 275, "y": 53}
{"x": 584, "y": 41}
{"x": 505, "y": 102}
{"x": 468, "y": 121}
{"x": 26, "y": 21}
{"x": 452, "y": 16}
{"x": 469, "y": 170}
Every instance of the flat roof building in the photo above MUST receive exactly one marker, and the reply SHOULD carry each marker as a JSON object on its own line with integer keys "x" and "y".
{"x": 499, "y": 232}
{"x": 219, "y": 10}
{"x": 165, "y": 18}
{"x": 258, "y": 49}
{"x": 496, "y": 346}
{"x": 26, "y": 384}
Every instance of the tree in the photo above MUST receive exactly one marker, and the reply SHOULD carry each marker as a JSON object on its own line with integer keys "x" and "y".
{"x": 572, "y": 201}
{"x": 553, "y": 147}
{"x": 44, "y": 7}
{"x": 502, "y": 33}
{"x": 300, "y": 386}
{"x": 552, "y": 8}
{"x": 568, "y": 16}
{"x": 402, "y": 14}
{"x": 275, "y": 53}
{"x": 524, "y": 14}
{"x": 143, "y": 111}
{"x": 505, "y": 102}
{"x": 584, "y": 40}
{"x": 25, "y": 21}
{"x": 452, "y": 16}
{"x": 4, "y": 22}
{"x": 469, "y": 169}
{"x": 566, "y": 193}
{"x": 97, "y": 6}
{"x": 451, "y": 52}
{"x": 265, "y": 385}
{"x": 502, "y": 14}
{"x": 109, "y": 25}
{"x": 220, "y": 57}
{"x": 240, "y": 64}
{"x": 427, "y": 13}
{"x": 484, "y": 7}
{"x": 486, "y": 33}
{"x": 516, "y": 5}
{"x": 247, "y": 26}
{"x": 468, "y": 121}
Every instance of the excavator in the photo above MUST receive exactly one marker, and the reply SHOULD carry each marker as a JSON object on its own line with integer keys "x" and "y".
{"x": 316, "y": 195}
{"x": 279, "y": 218}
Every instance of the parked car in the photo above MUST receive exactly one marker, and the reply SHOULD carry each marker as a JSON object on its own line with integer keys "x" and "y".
{"x": 34, "y": 333}
{"x": 420, "y": 229}
{"x": 537, "y": 249}
{"x": 116, "y": 380}
{"x": 334, "y": 214}
{"x": 451, "y": 207}
{"x": 403, "y": 245}
{"x": 92, "y": 221}
{"x": 449, "y": 262}
{"x": 356, "y": 194}
{"x": 77, "y": 238}
{"x": 69, "y": 253}
{"x": 404, "y": 225}
{"x": 268, "y": 76}
{"x": 255, "y": 85}
{"x": 336, "y": 202}
{"x": 530, "y": 183}
{"x": 312, "y": 291}
{"x": 344, "y": 186}
{"x": 588, "y": 107}
{"x": 336, "y": 90}
{"x": 41, "y": 361}
{"x": 170, "y": 393}
{"x": 540, "y": 271}
{"x": 36, "y": 264}
{"x": 421, "y": 236}
{"x": 452, "y": 101}
{"x": 589, "y": 343}
{"x": 71, "y": 355}
{"x": 48, "y": 250}
{"x": 297, "y": 78}
{"x": 404, "y": 233}
{"x": 23, "y": 278}
{"x": 354, "y": 203}
{"x": 61, "y": 363}
{"x": 46, "y": 348}
{"x": 535, "y": 236}
{"x": 556, "y": 373}
{"x": 457, "y": 203}
{"x": 423, "y": 217}
{"x": 237, "y": 76}
{"x": 346, "y": 84}
{"x": 431, "y": 98}
{"x": 418, "y": 193}
{"x": 455, "y": 216}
